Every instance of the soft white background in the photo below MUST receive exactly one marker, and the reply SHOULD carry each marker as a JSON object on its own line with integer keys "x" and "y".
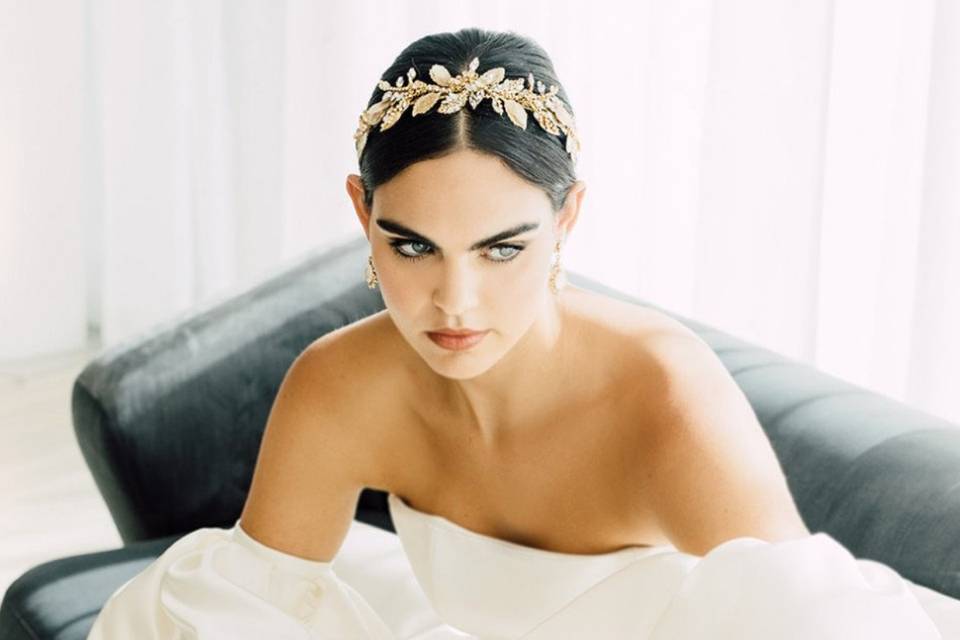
{"x": 786, "y": 171}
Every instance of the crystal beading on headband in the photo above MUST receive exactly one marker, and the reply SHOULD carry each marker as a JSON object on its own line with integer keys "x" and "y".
{"x": 469, "y": 87}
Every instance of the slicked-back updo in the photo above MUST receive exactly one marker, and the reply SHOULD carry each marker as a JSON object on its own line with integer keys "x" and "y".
{"x": 535, "y": 155}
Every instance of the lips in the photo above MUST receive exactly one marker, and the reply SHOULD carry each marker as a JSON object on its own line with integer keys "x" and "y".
{"x": 457, "y": 332}
{"x": 457, "y": 340}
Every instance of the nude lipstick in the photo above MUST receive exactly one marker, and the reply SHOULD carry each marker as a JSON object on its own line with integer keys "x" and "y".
{"x": 457, "y": 340}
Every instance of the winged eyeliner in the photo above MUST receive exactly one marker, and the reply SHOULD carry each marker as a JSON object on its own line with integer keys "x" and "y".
{"x": 395, "y": 227}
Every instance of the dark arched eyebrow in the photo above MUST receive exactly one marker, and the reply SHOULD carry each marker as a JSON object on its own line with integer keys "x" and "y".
{"x": 395, "y": 227}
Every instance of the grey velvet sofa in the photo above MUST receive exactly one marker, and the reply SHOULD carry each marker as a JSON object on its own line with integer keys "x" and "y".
{"x": 170, "y": 424}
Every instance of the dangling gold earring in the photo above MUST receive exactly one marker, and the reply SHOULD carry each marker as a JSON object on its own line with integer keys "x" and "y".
{"x": 371, "y": 274}
{"x": 558, "y": 278}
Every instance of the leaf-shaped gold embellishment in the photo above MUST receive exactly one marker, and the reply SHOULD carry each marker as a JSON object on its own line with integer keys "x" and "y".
{"x": 517, "y": 114}
{"x": 505, "y": 94}
{"x": 440, "y": 75}
{"x": 453, "y": 102}
{"x": 425, "y": 102}
{"x": 393, "y": 114}
{"x": 361, "y": 143}
{"x": 546, "y": 121}
{"x": 375, "y": 113}
{"x": 562, "y": 114}
{"x": 476, "y": 98}
{"x": 491, "y": 76}
{"x": 513, "y": 85}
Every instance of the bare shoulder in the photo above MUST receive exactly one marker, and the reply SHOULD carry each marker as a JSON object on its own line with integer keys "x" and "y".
{"x": 641, "y": 344}
{"x": 362, "y": 364}
{"x": 667, "y": 367}
{"x": 621, "y": 318}
{"x": 353, "y": 345}
{"x": 708, "y": 470}
{"x": 320, "y": 446}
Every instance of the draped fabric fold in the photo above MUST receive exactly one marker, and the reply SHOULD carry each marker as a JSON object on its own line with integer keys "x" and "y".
{"x": 221, "y": 583}
{"x": 436, "y": 580}
{"x": 749, "y": 589}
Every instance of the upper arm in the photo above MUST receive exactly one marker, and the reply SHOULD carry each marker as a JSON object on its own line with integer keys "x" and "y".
{"x": 712, "y": 473}
{"x": 307, "y": 478}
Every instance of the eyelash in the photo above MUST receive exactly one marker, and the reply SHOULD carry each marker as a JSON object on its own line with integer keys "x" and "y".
{"x": 398, "y": 243}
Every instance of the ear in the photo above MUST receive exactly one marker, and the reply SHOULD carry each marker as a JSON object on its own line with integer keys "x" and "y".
{"x": 568, "y": 214}
{"x": 355, "y": 191}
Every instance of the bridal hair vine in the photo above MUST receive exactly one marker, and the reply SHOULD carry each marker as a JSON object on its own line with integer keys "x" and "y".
{"x": 469, "y": 87}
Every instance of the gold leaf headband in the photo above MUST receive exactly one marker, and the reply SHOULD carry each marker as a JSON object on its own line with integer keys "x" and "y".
{"x": 469, "y": 87}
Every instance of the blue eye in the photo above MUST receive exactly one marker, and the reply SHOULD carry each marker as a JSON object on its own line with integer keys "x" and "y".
{"x": 416, "y": 256}
{"x": 513, "y": 250}
{"x": 510, "y": 256}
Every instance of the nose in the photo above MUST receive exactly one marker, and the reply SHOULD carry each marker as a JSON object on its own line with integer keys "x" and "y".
{"x": 456, "y": 292}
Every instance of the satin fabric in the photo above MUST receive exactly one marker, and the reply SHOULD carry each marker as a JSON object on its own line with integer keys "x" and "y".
{"x": 436, "y": 580}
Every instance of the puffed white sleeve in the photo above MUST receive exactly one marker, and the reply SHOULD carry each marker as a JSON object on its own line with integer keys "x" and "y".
{"x": 218, "y": 583}
{"x": 810, "y": 588}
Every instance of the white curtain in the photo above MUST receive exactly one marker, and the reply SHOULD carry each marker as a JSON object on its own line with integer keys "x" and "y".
{"x": 786, "y": 171}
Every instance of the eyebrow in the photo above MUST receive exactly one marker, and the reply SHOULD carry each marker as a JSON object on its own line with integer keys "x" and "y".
{"x": 395, "y": 227}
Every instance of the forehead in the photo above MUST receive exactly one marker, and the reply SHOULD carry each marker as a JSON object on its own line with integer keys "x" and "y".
{"x": 465, "y": 190}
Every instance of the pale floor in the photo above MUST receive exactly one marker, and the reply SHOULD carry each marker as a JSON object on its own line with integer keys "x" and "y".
{"x": 49, "y": 505}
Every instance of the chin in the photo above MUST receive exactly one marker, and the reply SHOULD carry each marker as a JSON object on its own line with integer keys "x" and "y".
{"x": 458, "y": 365}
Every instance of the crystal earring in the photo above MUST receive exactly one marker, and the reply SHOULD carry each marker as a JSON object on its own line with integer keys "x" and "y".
{"x": 371, "y": 274}
{"x": 558, "y": 278}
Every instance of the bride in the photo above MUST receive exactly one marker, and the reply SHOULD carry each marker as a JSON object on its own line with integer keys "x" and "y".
{"x": 522, "y": 428}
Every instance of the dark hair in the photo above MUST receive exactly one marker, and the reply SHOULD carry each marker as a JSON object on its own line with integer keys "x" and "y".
{"x": 534, "y": 154}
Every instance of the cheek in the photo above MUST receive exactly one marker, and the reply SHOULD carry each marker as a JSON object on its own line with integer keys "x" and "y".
{"x": 403, "y": 295}
{"x": 532, "y": 275}
{"x": 400, "y": 294}
{"x": 517, "y": 292}
{"x": 537, "y": 268}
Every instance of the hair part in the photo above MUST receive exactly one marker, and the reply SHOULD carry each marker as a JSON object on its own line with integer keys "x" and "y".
{"x": 535, "y": 155}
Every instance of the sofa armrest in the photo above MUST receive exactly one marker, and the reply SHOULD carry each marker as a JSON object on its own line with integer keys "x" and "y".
{"x": 170, "y": 421}
{"x": 61, "y": 598}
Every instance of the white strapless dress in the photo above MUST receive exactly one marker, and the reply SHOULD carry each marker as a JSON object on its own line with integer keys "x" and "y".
{"x": 436, "y": 580}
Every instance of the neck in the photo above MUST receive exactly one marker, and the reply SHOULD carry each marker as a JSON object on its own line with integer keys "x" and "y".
{"x": 519, "y": 387}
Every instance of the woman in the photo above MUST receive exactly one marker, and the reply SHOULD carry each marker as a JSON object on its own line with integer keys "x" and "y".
{"x": 558, "y": 463}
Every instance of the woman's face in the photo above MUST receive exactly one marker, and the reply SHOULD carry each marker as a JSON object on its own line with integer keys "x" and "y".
{"x": 461, "y": 242}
